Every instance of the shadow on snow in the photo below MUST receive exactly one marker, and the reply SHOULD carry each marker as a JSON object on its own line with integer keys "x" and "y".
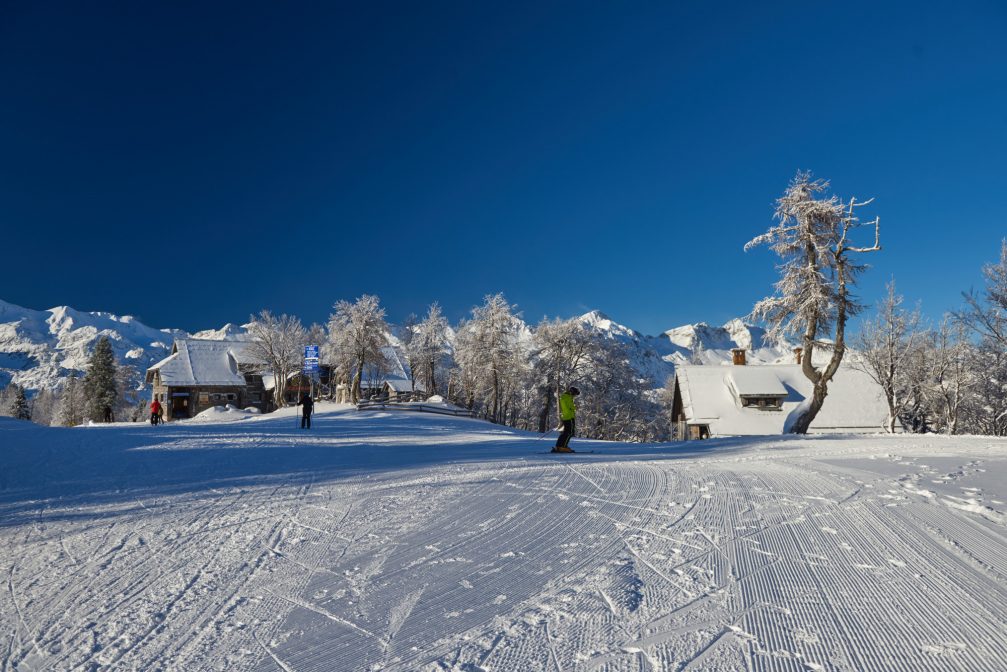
{"x": 50, "y": 474}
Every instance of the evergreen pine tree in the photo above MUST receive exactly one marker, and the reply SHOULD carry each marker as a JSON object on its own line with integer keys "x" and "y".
{"x": 100, "y": 381}
{"x": 19, "y": 407}
{"x": 70, "y": 411}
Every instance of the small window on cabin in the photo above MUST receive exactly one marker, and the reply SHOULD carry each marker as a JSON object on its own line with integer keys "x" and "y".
{"x": 230, "y": 396}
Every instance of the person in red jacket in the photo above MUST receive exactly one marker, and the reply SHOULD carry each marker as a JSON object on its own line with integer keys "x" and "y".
{"x": 155, "y": 412}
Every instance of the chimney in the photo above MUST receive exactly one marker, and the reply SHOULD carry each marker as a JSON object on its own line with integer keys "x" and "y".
{"x": 797, "y": 353}
{"x": 738, "y": 355}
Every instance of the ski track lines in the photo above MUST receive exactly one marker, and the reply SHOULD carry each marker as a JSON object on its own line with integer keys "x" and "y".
{"x": 492, "y": 547}
{"x": 140, "y": 601}
{"x": 782, "y": 561}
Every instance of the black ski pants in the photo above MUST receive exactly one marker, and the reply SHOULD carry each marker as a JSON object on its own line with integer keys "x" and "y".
{"x": 569, "y": 427}
{"x": 305, "y": 421}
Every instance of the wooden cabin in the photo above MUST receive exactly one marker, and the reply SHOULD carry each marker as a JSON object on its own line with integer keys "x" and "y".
{"x": 741, "y": 400}
{"x": 201, "y": 374}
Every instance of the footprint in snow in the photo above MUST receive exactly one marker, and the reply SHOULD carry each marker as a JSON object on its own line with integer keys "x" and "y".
{"x": 944, "y": 648}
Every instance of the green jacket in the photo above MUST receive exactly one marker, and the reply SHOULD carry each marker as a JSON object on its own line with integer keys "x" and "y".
{"x": 567, "y": 409}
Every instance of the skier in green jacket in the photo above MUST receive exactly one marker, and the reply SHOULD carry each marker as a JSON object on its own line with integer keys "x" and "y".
{"x": 568, "y": 414}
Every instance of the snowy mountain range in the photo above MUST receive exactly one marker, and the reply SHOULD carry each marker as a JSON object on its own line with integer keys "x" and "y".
{"x": 40, "y": 348}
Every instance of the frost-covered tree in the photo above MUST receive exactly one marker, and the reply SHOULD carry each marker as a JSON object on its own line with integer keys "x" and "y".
{"x": 19, "y": 406}
{"x": 43, "y": 407}
{"x": 100, "y": 389}
{"x": 985, "y": 313}
{"x": 614, "y": 403}
{"x": 315, "y": 335}
{"x": 6, "y": 398}
{"x": 917, "y": 412}
{"x": 405, "y": 334}
{"x": 950, "y": 376}
{"x": 813, "y": 296}
{"x": 426, "y": 348}
{"x": 561, "y": 351}
{"x": 356, "y": 338}
{"x": 666, "y": 398}
{"x": 132, "y": 402}
{"x": 70, "y": 409}
{"x": 985, "y": 407}
{"x": 886, "y": 348}
{"x": 277, "y": 343}
{"x": 490, "y": 359}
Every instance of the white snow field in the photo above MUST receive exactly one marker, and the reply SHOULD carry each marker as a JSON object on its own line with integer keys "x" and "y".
{"x": 408, "y": 541}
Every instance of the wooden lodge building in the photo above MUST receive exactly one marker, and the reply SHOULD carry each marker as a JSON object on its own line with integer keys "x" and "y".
{"x": 739, "y": 400}
{"x": 201, "y": 374}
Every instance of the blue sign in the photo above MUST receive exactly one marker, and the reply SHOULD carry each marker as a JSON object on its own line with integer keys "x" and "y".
{"x": 310, "y": 359}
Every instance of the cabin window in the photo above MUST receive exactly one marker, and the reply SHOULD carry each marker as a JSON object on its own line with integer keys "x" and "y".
{"x": 763, "y": 403}
{"x": 231, "y": 396}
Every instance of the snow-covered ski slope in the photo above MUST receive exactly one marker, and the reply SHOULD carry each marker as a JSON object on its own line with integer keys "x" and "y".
{"x": 382, "y": 541}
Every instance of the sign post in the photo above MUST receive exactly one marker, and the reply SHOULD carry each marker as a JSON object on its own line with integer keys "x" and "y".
{"x": 311, "y": 359}
{"x": 310, "y": 366}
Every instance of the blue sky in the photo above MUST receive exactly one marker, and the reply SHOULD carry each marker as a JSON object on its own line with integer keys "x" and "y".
{"x": 194, "y": 163}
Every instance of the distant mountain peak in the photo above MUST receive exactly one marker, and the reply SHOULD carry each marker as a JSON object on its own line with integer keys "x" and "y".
{"x": 601, "y": 322}
{"x": 40, "y": 348}
{"x": 228, "y": 332}
{"x": 595, "y": 316}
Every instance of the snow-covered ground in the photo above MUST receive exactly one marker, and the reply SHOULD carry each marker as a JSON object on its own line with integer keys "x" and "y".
{"x": 400, "y": 541}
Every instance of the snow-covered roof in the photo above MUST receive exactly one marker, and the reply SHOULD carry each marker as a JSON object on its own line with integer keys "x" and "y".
{"x": 756, "y": 381}
{"x": 398, "y": 365}
{"x": 399, "y": 385}
{"x": 710, "y": 395}
{"x": 268, "y": 382}
{"x": 203, "y": 362}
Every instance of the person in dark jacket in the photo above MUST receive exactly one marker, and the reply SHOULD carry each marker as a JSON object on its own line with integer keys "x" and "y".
{"x": 307, "y": 408}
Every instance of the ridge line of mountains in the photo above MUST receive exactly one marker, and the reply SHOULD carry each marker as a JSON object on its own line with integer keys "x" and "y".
{"x": 39, "y": 349}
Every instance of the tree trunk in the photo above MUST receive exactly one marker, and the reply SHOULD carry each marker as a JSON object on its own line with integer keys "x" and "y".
{"x": 355, "y": 389}
{"x": 804, "y": 421}
{"x": 496, "y": 396}
{"x": 543, "y": 418}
